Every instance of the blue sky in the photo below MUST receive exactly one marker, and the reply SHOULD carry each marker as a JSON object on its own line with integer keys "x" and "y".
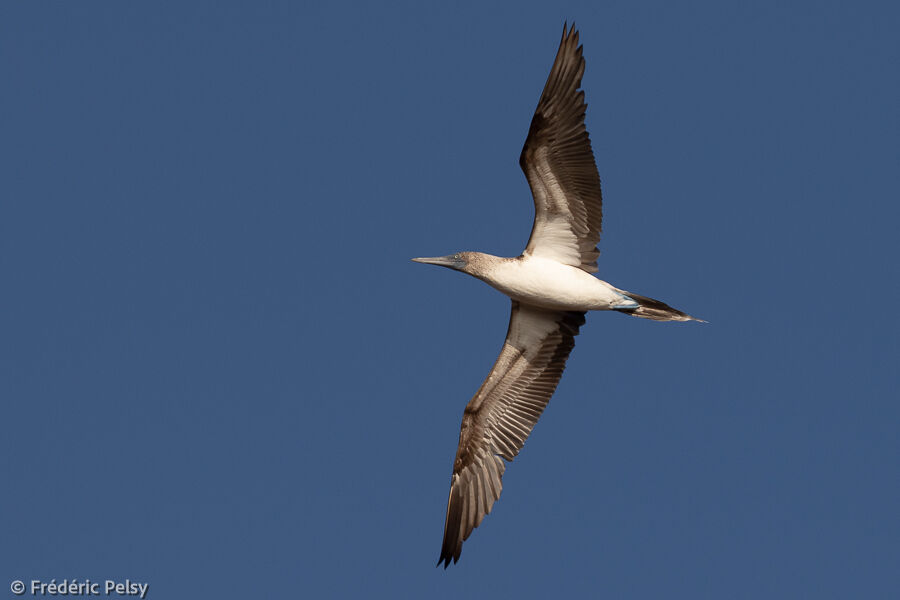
{"x": 221, "y": 375}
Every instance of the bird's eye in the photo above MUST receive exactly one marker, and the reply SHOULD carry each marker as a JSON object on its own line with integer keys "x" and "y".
{"x": 457, "y": 256}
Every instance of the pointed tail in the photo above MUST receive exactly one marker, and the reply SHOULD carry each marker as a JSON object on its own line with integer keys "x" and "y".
{"x": 648, "y": 308}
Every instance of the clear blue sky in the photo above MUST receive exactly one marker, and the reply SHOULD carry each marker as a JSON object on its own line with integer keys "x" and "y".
{"x": 220, "y": 373}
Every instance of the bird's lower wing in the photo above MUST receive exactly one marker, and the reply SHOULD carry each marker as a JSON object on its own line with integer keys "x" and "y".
{"x": 501, "y": 415}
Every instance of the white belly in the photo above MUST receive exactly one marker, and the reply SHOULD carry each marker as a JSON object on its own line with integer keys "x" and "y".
{"x": 549, "y": 284}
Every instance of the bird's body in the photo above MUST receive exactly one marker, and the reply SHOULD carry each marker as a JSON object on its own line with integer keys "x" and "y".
{"x": 546, "y": 283}
{"x": 551, "y": 287}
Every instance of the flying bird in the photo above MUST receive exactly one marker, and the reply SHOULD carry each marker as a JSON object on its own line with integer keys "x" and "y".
{"x": 551, "y": 288}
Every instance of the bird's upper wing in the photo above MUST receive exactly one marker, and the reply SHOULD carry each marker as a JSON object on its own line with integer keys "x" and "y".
{"x": 502, "y": 413}
{"x": 559, "y": 164}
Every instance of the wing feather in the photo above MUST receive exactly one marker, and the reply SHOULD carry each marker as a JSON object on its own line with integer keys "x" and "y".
{"x": 559, "y": 164}
{"x": 501, "y": 415}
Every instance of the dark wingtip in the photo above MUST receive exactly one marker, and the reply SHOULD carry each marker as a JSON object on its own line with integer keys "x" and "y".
{"x": 445, "y": 560}
{"x": 567, "y": 30}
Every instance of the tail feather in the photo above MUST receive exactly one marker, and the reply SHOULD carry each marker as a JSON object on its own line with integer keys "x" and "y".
{"x": 648, "y": 308}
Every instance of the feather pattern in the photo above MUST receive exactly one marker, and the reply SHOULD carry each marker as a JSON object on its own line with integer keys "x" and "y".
{"x": 501, "y": 415}
{"x": 559, "y": 164}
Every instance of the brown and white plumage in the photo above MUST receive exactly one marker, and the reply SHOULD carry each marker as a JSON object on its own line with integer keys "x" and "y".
{"x": 560, "y": 168}
{"x": 499, "y": 418}
{"x": 558, "y": 161}
{"x": 551, "y": 289}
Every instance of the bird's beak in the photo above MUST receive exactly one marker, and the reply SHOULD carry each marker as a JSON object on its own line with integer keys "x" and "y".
{"x": 444, "y": 261}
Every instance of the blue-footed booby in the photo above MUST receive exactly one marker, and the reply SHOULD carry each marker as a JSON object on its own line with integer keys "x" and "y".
{"x": 551, "y": 288}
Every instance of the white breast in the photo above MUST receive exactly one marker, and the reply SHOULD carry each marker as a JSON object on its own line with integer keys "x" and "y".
{"x": 546, "y": 283}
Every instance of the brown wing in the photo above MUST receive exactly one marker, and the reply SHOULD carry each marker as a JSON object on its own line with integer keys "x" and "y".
{"x": 499, "y": 418}
{"x": 559, "y": 165}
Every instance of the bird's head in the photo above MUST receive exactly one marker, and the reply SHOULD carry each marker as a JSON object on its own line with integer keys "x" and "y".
{"x": 459, "y": 261}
